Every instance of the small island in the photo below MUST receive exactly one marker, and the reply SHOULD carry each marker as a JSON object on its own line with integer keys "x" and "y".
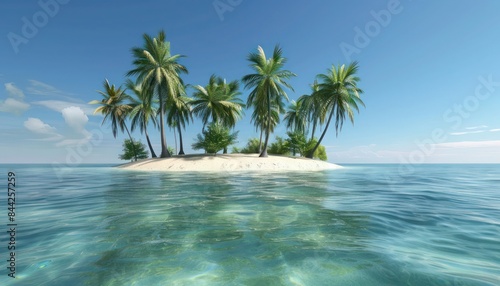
{"x": 229, "y": 162}
{"x": 155, "y": 93}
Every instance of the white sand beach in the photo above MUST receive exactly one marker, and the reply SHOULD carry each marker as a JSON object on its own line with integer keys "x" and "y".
{"x": 229, "y": 162}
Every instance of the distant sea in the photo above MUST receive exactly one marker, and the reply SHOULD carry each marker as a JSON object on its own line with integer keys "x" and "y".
{"x": 361, "y": 225}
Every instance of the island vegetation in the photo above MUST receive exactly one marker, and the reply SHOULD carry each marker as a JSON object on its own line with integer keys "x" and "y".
{"x": 155, "y": 93}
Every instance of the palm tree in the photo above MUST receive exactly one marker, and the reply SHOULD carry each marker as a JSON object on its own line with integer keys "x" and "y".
{"x": 142, "y": 111}
{"x": 295, "y": 117}
{"x": 259, "y": 118}
{"x": 339, "y": 95}
{"x": 267, "y": 83}
{"x": 179, "y": 112}
{"x": 312, "y": 108}
{"x": 159, "y": 73}
{"x": 115, "y": 109}
{"x": 218, "y": 102}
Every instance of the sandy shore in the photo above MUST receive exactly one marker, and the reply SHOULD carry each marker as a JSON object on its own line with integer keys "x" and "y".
{"x": 229, "y": 162}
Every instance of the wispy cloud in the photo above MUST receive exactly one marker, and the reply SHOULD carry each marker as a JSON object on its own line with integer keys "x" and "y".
{"x": 59, "y": 105}
{"x": 15, "y": 102}
{"x": 40, "y": 88}
{"x": 466, "y": 132}
{"x": 476, "y": 127}
{"x": 13, "y": 90}
{"x": 474, "y": 130}
{"x": 470, "y": 144}
{"x": 14, "y": 106}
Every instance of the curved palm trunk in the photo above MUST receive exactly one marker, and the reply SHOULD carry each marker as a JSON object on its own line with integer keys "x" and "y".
{"x": 268, "y": 127}
{"x": 314, "y": 129}
{"x": 131, "y": 140}
{"x": 153, "y": 154}
{"x": 164, "y": 150}
{"x": 181, "y": 151}
{"x": 260, "y": 140}
{"x": 311, "y": 154}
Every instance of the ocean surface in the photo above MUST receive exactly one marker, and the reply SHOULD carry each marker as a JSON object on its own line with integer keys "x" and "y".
{"x": 361, "y": 225}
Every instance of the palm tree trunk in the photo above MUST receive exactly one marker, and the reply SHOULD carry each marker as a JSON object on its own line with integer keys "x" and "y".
{"x": 268, "y": 127}
{"x": 314, "y": 129}
{"x": 260, "y": 140}
{"x": 153, "y": 154}
{"x": 181, "y": 151}
{"x": 164, "y": 150}
{"x": 175, "y": 140}
{"x": 131, "y": 140}
{"x": 311, "y": 154}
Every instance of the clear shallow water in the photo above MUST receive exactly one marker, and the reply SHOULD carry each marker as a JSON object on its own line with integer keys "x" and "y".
{"x": 362, "y": 225}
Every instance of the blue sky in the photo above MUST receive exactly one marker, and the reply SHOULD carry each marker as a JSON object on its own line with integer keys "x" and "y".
{"x": 429, "y": 70}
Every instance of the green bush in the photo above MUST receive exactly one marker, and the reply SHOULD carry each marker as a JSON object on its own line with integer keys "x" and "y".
{"x": 251, "y": 147}
{"x": 128, "y": 150}
{"x": 297, "y": 143}
{"x": 279, "y": 147}
{"x": 320, "y": 153}
{"x": 215, "y": 138}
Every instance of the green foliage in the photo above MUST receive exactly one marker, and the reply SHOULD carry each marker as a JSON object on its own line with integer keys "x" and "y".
{"x": 215, "y": 138}
{"x": 297, "y": 142}
{"x": 251, "y": 147}
{"x": 319, "y": 153}
{"x": 268, "y": 85}
{"x": 235, "y": 150}
{"x": 171, "y": 150}
{"x": 279, "y": 147}
{"x": 128, "y": 150}
{"x": 218, "y": 101}
{"x": 339, "y": 93}
{"x": 158, "y": 71}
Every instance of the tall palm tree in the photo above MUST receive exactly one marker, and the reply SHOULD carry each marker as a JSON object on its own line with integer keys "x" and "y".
{"x": 179, "y": 113}
{"x": 143, "y": 110}
{"x": 114, "y": 107}
{"x": 218, "y": 102}
{"x": 267, "y": 83}
{"x": 312, "y": 108}
{"x": 159, "y": 73}
{"x": 295, "y": 117}
{"x": 340, "y": 96}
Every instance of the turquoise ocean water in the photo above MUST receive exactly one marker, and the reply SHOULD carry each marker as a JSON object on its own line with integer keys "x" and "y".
{"x": 361, "y": 225}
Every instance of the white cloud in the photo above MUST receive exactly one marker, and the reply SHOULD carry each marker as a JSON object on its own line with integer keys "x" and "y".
{"x": 75, "y": 118}
{"x": 36, "y": 125}
{"x": 470, "y": 144}
{"x": 494, "y": 130}
{"x": 58, "y": 105}
{"x": 13, "y": 91}
{"x": 15, "y": 103}
{"x": 14, "y": 106}
{"x": 476, "y": 127}
{"x": 40, "y": 88}
{"x": 466, "y": 132}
